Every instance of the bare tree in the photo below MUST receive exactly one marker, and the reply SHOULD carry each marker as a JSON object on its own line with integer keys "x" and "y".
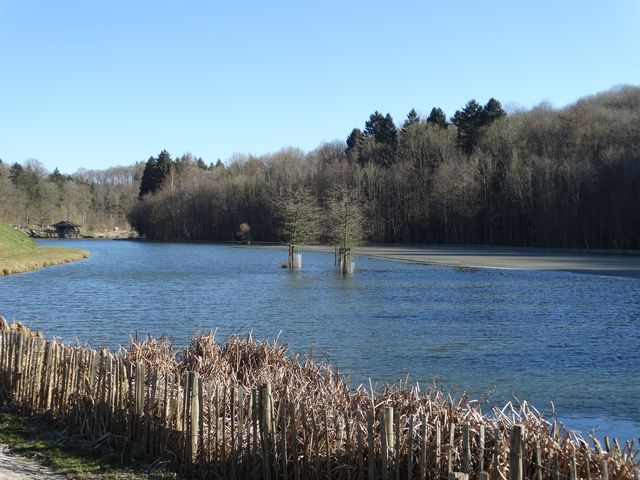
{"x": 299, "y": 216}
{"x": 346, "y": 214}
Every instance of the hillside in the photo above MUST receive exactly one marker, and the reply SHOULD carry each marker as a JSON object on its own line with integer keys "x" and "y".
{"x": 18, "y": 253}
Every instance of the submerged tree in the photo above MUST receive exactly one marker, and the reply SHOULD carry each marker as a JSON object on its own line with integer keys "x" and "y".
{"x": 346, "y": 217}
{"x": 299, "y": 217}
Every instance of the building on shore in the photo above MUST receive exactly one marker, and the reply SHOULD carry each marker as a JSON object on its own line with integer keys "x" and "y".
{"x": 65, "y": 228}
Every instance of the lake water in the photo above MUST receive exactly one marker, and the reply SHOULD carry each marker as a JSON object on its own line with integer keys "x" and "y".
{"x": 541, "y": 336}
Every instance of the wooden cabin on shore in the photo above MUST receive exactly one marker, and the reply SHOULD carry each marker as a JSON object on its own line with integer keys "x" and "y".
{"x": 65, "y": 228}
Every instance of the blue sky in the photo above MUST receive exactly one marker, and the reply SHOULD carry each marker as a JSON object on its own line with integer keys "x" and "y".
{"x": 95, "y": 84}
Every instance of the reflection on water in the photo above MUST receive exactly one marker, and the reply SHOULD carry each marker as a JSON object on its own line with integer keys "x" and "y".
{"x": 541, "y": 336}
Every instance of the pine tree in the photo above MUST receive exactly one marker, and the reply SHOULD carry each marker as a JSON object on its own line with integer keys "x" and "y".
{"x": 373, "y": 126}
{"x": 389, "y": 134}
{"x": 16, "y": 173}
{"x": 469, "y": 122}
{"x": 164, "y": 165}
{"x": 492, "y": 111}
{"x": 354, "y": 142}
{"x": 437, "y": 118}
{"x": 155, "y": 172}
{"x": 412, "y": 119}
{"x": 381, "y": 130}
{"x": 147, "y": 183}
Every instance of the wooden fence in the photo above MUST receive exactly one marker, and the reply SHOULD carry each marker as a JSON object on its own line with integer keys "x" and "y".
{"x": 219, "y": 431}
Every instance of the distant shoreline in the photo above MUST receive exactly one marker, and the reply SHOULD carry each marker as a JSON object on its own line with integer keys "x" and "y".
{"x": 610, "y": 263}
{"x": 607, "y": 263}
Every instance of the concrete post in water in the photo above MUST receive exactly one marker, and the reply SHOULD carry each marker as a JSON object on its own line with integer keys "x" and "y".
{"x": 345, "y": 264}
{"x": 295, "y": 258}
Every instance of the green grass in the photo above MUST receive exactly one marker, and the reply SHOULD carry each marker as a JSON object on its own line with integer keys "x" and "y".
{"x": 34, "y": 439}
{"x": 18, "y": 253}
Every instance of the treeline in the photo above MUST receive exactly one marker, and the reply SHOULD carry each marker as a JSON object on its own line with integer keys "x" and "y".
{"x": 545, "y": 177}
{"x": 95, "y": 199}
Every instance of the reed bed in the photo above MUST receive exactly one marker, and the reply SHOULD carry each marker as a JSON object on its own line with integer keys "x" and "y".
{"x": 245, "y": 408}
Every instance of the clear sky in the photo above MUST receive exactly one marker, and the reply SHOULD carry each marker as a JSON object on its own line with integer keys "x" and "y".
{"x": 94, "y": 84}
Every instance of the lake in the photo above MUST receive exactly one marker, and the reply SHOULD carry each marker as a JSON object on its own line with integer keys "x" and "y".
{"x": 565, "y": 338}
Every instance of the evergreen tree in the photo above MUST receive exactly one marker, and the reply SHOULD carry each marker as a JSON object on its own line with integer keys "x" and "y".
{"x": 382, "y": 131}
{"x": 388, "y": 133}
{"x": 373, "y": 126}
{"x": 469, "y": 122}
{"x": 164, "y": 165}
{"x": 147, "y": 183}
{"x": 492, "y": 111}
{"x": 354, "y": 142}
{"x": 16, "y": 173}
{"x": 437, "y": 118}
{"x": 412, "y": 118}
{"x": 200, "y": 164}
{"x": 57, "y": 178}
{"x": 155, "y": 172}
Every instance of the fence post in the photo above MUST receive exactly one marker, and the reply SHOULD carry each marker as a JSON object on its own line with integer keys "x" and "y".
{"x": 265, "y": 406}
{"x": 466, "y": 452}
{"x": 538, "y": 462}
{"x": 605, "y": 470}
{"x": 481, "y": 450}
{"x": 410, "y": 449}
{"x": 495, "y": 466}
{"x": 515, "y": 453}
{"x": 139, "y": 388}
{"x": 294, "y": 441}
{"x": 438, "y": 449}
{"x": 384, "y": 447}
{"x": 423, "y": 450}
{"x": 371, "y": 445}
{"x": 555, "y": 472}
{"x": 396, "y": 450}
{"x": 452, "y": 437}
{"x": 573, "y": 470}
{"x": 194, "y": 381}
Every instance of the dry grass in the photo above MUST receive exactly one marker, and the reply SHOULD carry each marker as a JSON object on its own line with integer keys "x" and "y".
{"x": 331, "y": 418}
{"x": 321, "y": 392}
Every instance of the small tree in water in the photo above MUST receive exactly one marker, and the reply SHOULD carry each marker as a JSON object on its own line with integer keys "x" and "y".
{"x": 244, "y": 232}
{"x": 299, "y": 216}
{"x": 346, "y": 223}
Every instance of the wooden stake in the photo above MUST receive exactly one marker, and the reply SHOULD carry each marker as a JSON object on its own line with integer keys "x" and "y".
{"x": 516, "y": 470}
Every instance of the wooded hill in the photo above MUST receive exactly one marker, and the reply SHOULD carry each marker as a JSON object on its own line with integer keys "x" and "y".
{"x": 546, "y": 177}
{"x": 95, "y": 199}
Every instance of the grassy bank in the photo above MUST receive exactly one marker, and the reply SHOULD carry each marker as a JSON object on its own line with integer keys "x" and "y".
{"x": 33, "y": 438}
{"x": 18, "y": 253}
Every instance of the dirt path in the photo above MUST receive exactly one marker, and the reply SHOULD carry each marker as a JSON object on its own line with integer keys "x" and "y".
{"x": 19, "y": 468}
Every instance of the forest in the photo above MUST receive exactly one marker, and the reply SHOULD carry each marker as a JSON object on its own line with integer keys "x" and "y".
{"x": 548, "y": 177}
{"x": 545, "y": 177}
{"x": 98, "y": 200}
